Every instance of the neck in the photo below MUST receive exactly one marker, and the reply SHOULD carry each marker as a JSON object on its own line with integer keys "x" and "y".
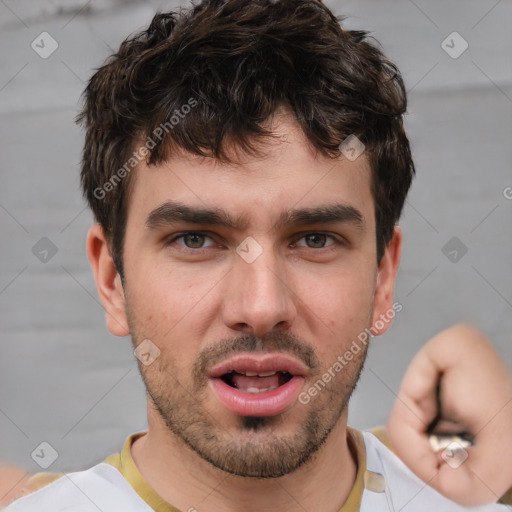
{"x": 188, "y": 482}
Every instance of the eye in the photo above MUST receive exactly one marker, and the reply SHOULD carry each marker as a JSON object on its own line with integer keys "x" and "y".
{"x": 316, "y": 240}
{"x": 195, "y": 241}
{"x": 192, "y": 240}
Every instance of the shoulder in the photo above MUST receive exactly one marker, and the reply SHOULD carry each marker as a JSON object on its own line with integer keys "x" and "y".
{"x": 13, "y": 479}
{"x": 381, "y": 434}
{"x": 393, "y": 482}
{"x": 38, "y": 481}
{"x": 101, "y": 486}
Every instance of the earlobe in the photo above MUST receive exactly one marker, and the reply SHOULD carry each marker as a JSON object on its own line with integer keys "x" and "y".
{"x": 385, "y": 282}
{"x": 108, "y": 281}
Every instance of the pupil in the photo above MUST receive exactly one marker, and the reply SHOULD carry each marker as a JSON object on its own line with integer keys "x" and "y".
{"x": 317, "y": 235}
{"x": 196, "y": 236}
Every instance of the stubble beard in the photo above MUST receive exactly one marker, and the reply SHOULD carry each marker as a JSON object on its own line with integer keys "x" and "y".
{"x": 257, "y": 447}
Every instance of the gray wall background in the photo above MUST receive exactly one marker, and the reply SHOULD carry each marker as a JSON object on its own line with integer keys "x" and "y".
{"x": 66, "y": 381}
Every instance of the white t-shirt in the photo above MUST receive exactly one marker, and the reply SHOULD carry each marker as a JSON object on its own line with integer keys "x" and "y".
{"x": 103, "y": 488}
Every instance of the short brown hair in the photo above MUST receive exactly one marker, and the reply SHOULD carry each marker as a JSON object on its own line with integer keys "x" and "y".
{"x": 233, "y": 63}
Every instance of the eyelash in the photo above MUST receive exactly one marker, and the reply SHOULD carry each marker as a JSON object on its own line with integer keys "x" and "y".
{"x": 202, "y": 249}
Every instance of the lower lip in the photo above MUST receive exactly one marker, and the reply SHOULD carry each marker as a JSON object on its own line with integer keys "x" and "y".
{"x": 268, "y": 403}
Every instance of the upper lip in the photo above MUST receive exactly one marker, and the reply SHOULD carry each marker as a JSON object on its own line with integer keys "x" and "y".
{"x": 260, "y": 363}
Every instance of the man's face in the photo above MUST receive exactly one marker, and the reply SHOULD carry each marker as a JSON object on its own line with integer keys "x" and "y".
{"x": 245, "y": 326}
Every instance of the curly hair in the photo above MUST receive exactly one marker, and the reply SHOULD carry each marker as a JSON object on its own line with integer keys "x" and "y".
{"x": 229, "y": 65}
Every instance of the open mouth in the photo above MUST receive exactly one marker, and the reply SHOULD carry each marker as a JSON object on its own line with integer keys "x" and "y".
{"x": 258, "y": 384}
{"x": 254, "y": 382}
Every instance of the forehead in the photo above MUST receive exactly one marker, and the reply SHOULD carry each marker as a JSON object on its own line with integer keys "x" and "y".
{"x": 289, "y": 173}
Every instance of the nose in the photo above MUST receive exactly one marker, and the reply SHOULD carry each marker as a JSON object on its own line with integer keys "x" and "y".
{"x": 258, "y": 296}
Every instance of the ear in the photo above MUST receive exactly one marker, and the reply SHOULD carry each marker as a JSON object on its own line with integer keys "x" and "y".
{"x": 383, "y": 297}
{"x": 108, "y": 281}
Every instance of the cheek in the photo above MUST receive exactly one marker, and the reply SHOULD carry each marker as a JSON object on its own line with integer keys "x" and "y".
{"x": 343, "y": 303}
{"x": 161, "y": 296}
{"x": 345, "y": 294}
{"x": 172, "y": 312}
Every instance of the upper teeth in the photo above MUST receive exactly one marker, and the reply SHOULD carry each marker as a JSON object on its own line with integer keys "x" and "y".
{"x": 256, "y": 374}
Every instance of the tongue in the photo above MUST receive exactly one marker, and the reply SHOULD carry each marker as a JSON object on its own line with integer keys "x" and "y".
{"x": 243, "y": 382}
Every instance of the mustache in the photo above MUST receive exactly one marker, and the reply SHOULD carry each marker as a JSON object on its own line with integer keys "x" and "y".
{"x": 282, "y": 342}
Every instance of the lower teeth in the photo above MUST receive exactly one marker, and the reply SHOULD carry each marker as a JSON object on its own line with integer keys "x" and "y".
{"x": 257, "y": 390}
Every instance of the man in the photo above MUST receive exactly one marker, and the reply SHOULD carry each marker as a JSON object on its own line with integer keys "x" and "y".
{"x": 246, "y": 163}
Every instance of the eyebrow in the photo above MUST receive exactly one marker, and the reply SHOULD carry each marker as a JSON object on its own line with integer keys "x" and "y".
{"x": 172, "y": 211}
